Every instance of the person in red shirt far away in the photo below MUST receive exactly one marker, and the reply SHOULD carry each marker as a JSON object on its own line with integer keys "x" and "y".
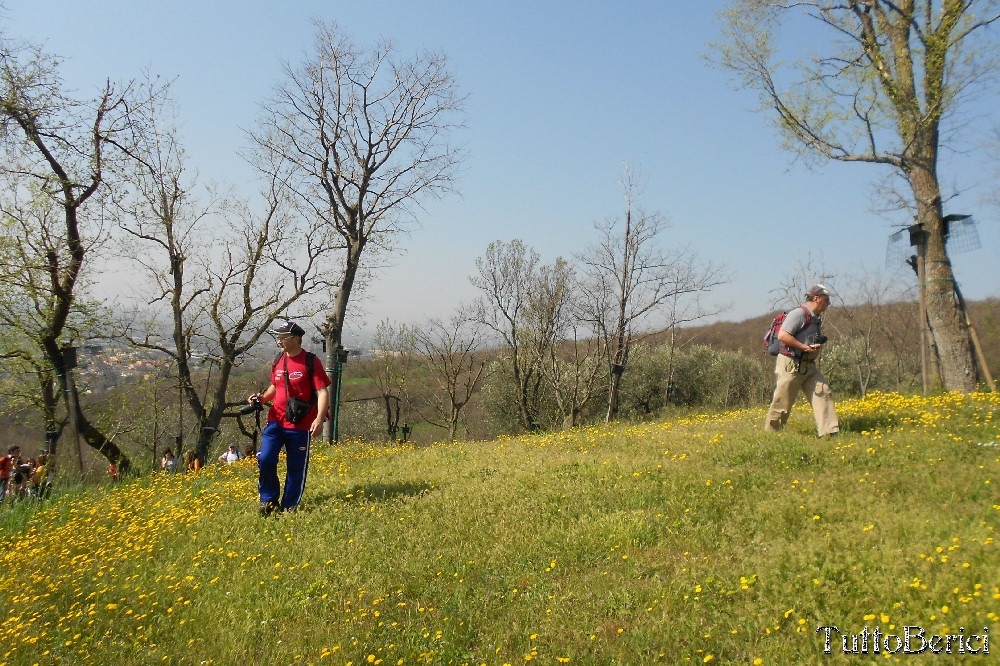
{"x": 7, "y": 465}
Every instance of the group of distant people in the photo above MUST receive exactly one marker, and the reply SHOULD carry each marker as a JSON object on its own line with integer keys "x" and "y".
{"x": 25, "y": 478}
{"x": 192, "y": 463}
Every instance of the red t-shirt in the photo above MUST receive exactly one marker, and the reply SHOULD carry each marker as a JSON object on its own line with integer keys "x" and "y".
{"x": 298, "y": 383}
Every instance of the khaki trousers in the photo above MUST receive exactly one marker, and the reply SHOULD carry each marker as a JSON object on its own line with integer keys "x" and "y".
{"x": 804, "y": 376}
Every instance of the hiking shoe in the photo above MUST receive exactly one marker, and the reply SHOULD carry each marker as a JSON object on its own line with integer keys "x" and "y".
{"x": 267, "y": 508}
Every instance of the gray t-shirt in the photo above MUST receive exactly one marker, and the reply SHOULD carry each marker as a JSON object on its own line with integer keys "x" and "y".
{"x": 795, "y": 323}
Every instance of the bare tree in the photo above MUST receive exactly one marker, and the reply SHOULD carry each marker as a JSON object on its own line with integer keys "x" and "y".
{"x": 876, "y": 316}
{"x": 508, "y": 277}
{"x": 630, "y": 278}
{"x": 683, "y": 307}
{"x": 226, "y": 272}
{"x": 454, "y": 359}
{"x": 570, "y": 353}
{"x": 807, "y": 272}
{"x": 861, "y": 330}
{"x": 891, "y": 77}
{"x": 62, "y": 149}
{"x": 363, "y": 136}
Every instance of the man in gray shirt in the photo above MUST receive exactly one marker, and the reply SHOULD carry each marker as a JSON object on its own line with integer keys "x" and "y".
{"x": 796, "y": 370}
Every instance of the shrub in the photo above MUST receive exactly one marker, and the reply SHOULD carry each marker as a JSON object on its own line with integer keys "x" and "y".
{"x": 363, "y": 419}
{"x": 735, "y": 379}
{"x": 643, "y": 388}
{"x": 854, "y": 369}
{"x": 687, "y": 378}
{"x": 697, "y": 375}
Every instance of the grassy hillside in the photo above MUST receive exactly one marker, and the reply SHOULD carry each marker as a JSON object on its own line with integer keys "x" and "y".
{"x": 700, "y": 539}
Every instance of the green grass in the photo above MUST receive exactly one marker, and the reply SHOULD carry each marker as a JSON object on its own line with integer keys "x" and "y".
{"x": 700, "y": 539}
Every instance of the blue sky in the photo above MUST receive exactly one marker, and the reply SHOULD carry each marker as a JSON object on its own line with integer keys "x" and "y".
{"x": 559, "y": 95}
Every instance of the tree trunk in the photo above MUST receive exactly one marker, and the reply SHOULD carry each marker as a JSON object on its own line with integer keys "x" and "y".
{"x": 524, "y": 402}
{"x": 452, "y": 424}
{"x": 90, "y": 434}
{"x": 944, "y": 309}
{"x": 333, "y": 328}
{"x": 96, "y": 439}
{"x": 391, "y": 416}
{"x": 616, "y": 379}
{"x": 212, "y": 417}
{"x": 617, "y": 368}
{"x": 49, "y": 404}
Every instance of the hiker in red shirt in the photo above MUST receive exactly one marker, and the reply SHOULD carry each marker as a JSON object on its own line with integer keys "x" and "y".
{"x": 298, "y": 391}
{"x": 7, "y": 465}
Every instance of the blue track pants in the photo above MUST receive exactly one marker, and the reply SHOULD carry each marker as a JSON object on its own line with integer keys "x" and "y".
{"x": 296, "y": 445}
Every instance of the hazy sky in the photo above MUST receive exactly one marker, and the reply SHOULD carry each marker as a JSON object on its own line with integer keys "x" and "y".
{"x": 559, "y": 95}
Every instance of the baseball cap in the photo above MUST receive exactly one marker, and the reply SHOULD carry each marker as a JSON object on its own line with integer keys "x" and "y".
{"x": 288, "y": 328}
{"x": 818, "y": 290}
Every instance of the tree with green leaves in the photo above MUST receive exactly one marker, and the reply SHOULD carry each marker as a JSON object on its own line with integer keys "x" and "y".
{"x": 29, "y": 381}
{"x": 57, "y": 154}
{"x": 884, "y": 89}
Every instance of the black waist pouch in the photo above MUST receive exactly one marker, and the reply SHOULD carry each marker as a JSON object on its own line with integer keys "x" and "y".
{"x": 296, "y": 409}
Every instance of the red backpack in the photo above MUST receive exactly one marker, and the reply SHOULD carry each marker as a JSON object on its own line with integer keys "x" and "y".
{"x": 772, "y": 345}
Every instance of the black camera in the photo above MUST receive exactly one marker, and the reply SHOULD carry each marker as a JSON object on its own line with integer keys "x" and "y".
{"x": 255, "y": 405}
{"x": 817, "y": 339}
